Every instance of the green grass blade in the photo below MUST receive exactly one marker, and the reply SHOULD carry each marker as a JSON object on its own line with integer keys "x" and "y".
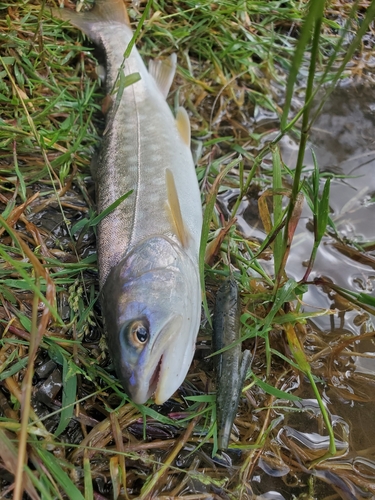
{"x": 61, "y": 477}
{"x": 68, "y": 396}
{"x": 17, "y": 265}
{"x": 89, "y": 490}
{"x": 283, "y": 294}
{"x": 273, "y": 391}
{"x": 278, "y": 249}
{"x": 332, "y": 444}
{"x": 323, "y": 211}
{"x": 95, "y": 221}
{"x": 15, "y": 368}
{"x": 349, "y": 52}
{"x": 315, "y": 9}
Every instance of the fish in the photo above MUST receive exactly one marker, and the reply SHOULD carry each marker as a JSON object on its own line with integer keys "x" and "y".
{"x": 148, "y": 246}
{"x": 232, "y": 364}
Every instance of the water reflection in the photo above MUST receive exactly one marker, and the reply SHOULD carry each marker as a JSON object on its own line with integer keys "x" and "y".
{"x": 341, "y": 346}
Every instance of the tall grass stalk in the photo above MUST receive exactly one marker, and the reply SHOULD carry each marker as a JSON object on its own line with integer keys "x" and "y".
{"x": 313, "y": 23}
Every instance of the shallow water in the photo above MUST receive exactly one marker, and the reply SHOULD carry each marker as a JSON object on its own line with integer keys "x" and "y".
{"x": 343, "y": 141}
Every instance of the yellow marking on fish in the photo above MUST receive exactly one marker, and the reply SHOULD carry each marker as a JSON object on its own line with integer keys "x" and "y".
{"x": 183, "y": 125}
{"x": 175, "y": 210}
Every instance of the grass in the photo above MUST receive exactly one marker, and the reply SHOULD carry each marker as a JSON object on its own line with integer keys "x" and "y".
{"x": 66, "y": 427}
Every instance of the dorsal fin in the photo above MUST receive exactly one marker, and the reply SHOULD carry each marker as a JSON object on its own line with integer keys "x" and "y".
{"x": 163, "y": 71}
{"x": 183, "y": 125}
{"x": 174, "y": 205}
{"x": 103, "y": 11}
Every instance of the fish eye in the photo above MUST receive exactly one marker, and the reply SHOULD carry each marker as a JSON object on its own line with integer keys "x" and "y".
{"x": 139, "y": 332}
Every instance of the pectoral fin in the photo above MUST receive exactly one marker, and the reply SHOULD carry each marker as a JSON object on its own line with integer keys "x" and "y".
{"x": 183, "y": 125}
{"x": 163, "y": 71}
{"x": 175, "y": 210}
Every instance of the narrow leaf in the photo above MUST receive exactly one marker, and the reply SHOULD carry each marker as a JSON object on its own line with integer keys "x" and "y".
{"x": 315, "y": 7}
{"x": 323, "y": 211}
{"x": 89, "y": 490}
{"x": 61, "y": 477}
{"x": 277, "y": 208}
{"x": 273, "y": 391}
{"x": 95, "y": 221}
{"x": 68, "y": 396}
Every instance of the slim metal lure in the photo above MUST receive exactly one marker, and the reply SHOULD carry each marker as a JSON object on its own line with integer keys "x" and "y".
{"x": 232, "y": 364}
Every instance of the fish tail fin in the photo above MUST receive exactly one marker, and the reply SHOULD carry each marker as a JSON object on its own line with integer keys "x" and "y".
{"x": 103, "y": 11}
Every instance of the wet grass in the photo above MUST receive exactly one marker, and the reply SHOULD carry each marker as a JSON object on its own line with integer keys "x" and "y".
{"x": 66, "y": 427}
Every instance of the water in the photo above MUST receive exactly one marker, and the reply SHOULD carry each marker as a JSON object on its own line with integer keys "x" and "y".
{"x": 341, "y": 346}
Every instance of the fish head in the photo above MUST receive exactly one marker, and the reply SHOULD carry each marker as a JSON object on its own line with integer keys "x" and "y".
{"x": 152, "y": 307}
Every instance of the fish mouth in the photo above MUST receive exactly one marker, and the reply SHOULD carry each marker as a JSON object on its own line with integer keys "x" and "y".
{"x": 174, "y": 363}
{"x": 164, "y": 368}
{"x": 153, "y": 384}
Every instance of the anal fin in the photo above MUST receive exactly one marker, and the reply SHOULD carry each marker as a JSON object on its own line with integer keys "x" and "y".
{"x": 163, "y": 71}
{"x": 175, "y": 210}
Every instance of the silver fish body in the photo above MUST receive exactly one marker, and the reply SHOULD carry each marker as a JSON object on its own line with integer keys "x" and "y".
{"x": 148, "y": 246}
